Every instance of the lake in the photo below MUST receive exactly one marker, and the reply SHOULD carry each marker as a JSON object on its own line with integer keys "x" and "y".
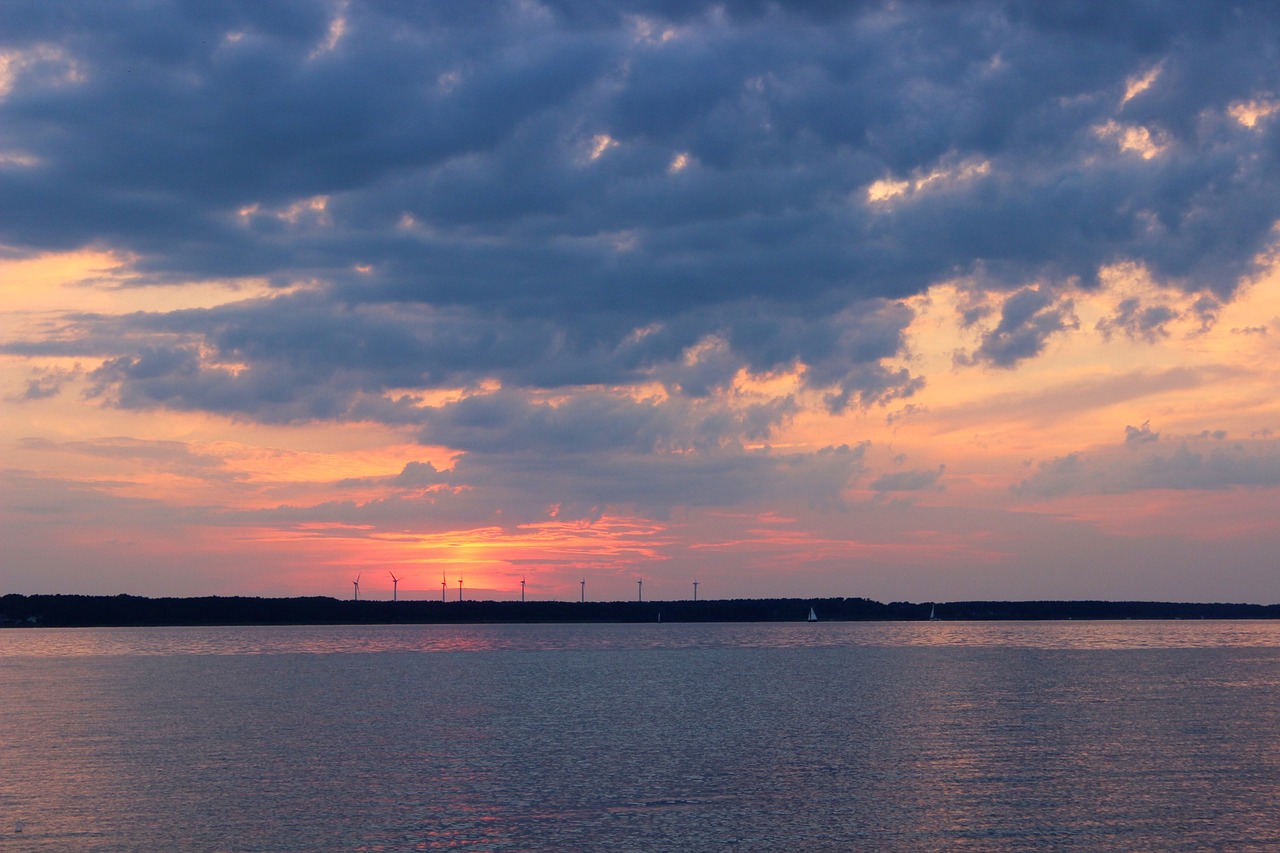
{"x": 1136, "y": 736}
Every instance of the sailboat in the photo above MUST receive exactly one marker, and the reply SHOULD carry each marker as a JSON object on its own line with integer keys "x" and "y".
{"x": 813, "y": 617}
{"x": 933, "y": 613}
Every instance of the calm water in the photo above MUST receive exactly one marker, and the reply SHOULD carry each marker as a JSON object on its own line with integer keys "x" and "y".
{"x": 1130, "y": 736}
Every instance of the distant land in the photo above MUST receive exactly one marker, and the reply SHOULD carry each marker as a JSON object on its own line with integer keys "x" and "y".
{"x": 78, "y": 611}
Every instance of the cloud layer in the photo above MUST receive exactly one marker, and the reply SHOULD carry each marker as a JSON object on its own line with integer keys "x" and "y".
{"x": 548, "y": 181}
{"x": 606, "y": 254}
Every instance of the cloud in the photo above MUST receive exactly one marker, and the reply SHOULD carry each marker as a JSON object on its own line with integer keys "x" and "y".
{"x": 1028, "y": 318}
{"x": 589, "y": 227}
{"x": 598, "y": 452}
{"x": 420, "y": 474}
{"x": 1242, "y": 464}
{"x": 908, "y": 481}
{"x": 298, "y": 357}
{"x": 1134, "y": 436}
{"x": 586, "y": 423}
{"x": 476, "y": 134}
{"x": 520, "y": 488}
{"x": 1059, "y": 476}
{"x": 1216, "y": 435}
{"x": 46, "y": 383}
{"x": 1137, "y": 322}
{"x": 1219, "y": 468}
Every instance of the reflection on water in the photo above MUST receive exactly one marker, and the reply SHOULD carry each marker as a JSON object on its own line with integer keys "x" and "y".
{"x": 829, "y": 737}
{"x": 329, "y": 639}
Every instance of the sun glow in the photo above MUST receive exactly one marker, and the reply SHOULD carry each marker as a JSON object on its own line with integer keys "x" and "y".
{"x": 491, "y": 561}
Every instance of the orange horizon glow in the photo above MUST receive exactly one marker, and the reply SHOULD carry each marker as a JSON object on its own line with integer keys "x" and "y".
{"x": 984, "y": 429}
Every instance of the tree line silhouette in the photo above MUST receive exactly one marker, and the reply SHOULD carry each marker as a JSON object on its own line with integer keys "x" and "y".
{"x": 130, "y": 610}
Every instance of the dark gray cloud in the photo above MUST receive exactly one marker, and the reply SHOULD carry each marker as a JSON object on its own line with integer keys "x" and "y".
{"x": 594, "y": 423}
{"x": 300, "y": 357}
{"x": 566, "y": 199}
{"x": 1028, "y": 318}
{"x": 154, "y": 125}
{"x": 1138, "y": 322}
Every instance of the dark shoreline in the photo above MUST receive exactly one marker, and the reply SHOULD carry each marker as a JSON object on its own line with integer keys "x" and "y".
{"x": 82, "y": 611}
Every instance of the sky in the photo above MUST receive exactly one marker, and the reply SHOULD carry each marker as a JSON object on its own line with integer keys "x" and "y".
{"x": 902, "y": 300}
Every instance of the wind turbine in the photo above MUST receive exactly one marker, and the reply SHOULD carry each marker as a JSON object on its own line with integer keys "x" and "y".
{"x": 444, "y": 584}
{"x": 395, "y": 585}
{"x": 521, "y": 590}
{"x": 356, "y": 588}
{"x": 459, "y": 587}
{"x": 583, "y": 598}
{"x": 640, "y": 589}
{"x": 695, "y": 590}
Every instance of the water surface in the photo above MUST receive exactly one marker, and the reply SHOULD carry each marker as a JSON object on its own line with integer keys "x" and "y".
{"x": 826, "y": 737}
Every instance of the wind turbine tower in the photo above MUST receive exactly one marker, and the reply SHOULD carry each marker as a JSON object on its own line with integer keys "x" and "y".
{"x": 695, "y": 590}
{"x": 640, "y": 589}
{"x": 522, "y": 590}
{"x": 443, "y": 585}
{"x": 459, "y": 588}
{"x": 583, "y": 595}
{"x": 355, "y": 584}
{"x": 395, "y": 586}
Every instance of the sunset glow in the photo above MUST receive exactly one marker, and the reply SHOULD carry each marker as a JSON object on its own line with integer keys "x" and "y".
{"x": 626, "y": 296}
